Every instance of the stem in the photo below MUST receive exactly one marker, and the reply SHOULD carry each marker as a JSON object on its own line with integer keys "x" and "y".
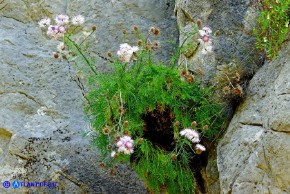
{"x": 120, "y": 118}
{"x": 86, "y": 38}
{"x": 84, "y": 57}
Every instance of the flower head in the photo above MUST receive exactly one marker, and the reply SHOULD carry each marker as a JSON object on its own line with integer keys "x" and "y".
{"x": 190, "y": 134}
{"x": 126, "y": 51}
{"x": 61, "y": 19}
{"x": 199, "y": 148}
{"x": 78, "y": 20}
{"x": 60, "y": 46}
{"x": 125, "y": 145}
{"x": 56, "y": 31}
{"x": 205, "y": 40}
{"x": 44, "y": 22}
{"x": 113, "y": 154}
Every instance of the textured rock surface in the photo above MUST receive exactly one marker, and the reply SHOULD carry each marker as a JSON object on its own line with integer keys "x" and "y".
{"x": 254, "y": 154}
{"x": 41, "y": 118}
{"x": 231, "y": 22}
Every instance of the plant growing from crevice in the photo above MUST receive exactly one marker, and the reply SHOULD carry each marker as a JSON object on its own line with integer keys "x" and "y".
{"x": 272, "y": 26}
{"x": 156, "y": 116}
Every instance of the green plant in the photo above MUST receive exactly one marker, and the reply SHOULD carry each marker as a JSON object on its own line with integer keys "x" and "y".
{"x": 272, "y": 26}
{"x": 152, "y": 103}
{"x": 154, "y": 116}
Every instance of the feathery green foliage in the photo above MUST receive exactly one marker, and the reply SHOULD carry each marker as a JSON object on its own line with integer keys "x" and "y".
{"x": 133, "y": 92}
{"x": 272, "y": 26}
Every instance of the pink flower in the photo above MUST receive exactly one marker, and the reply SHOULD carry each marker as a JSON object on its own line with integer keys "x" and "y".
{"x": 44, "y": 22}
{"x": 205, "y": 40}
{"x": 190, "y": 134}
{"x": 126, "y": 51}
{"x": 78, "y": 20}
{"x": 61, "y": 19}
{"x": 125, "y": 145}
{"x": 56, "y": 31}
{"x": 207, "y": 30}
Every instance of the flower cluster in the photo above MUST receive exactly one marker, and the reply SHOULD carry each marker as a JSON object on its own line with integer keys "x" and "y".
{"x": 125, "y": 145}
{"x": 59, "y": 29}
{"x": 190, "y": 134}
{"x": 126, "y": 51}
{"x": 205, "y": 40}
{"x": 193, "y": 136}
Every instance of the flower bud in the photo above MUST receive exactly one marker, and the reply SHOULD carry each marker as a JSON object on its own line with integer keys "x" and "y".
{"x": 126, "y": 123}
{"x": 193, "y": 124}
{"x": 173, "y": 156}
{"x": 135, "y": 28}
{"x": 94, "y": 28}
{"x": 55, "y": 55}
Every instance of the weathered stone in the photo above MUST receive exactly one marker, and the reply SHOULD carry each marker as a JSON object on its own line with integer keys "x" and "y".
{"x": 41, "y": 115}
{"x": 231, "y": 22}
{"x": 254, "y": 154}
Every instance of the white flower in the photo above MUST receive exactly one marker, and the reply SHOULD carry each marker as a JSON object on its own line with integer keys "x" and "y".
{"x": 61, "y": 19}
{"x": 60, "y": 46}
{"x": 126, "y": 51}
{"x": 113, "y": 154}
{"x": 207, "y": 49}
{"x": 207, "y": 30}
{"x": 125, "y": 145}
{"x": 78, "y": 20}
{"x": 44, "y": 22}
{"x": 199, "y": 148}
{"x": 190, "y": 134}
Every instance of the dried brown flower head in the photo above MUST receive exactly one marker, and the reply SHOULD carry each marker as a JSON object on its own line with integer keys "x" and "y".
{"x": 198, "y": 22}
{"x": 106, "y": 130}
{"x": 121, "y": 110}
{"x": 55, "y": 55}
{"x": 193, "y": 124}
{"x": 126, "y": 123}
{"x": 183, "y": 73}
{"x": 110, "y": 54}
{"x": 155, "y": 45}
{"x": 189, "y": 78}
{"x": 94, "y": 28}
{"x": 135, "y": 28}
{"x": 139, "y": 42}
{"x": 227, "y": 90}
{"x": 177, "y": 123}
{"x": 238, "y": 90}
{"x": 173, "y": 156}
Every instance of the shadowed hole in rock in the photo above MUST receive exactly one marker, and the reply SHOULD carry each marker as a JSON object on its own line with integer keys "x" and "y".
{"x": 158, "y": 128}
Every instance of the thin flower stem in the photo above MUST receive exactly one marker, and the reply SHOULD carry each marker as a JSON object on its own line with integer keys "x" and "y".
{"x": 84, "y": 57}
{"x": 86, "y": 38}
{"x": 121, "y": 105}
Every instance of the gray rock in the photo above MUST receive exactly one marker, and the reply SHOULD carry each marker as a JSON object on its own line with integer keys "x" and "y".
{"x": 254, "y": 154}
{"x": 231, "y": 22}
{"x": 42, "y": 124}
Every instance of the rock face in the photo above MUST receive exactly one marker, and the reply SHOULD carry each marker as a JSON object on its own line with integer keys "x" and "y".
{"x": 254, "y": 154}
{"x": 231, "y": 23}
{"x": 41, "y": 116}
